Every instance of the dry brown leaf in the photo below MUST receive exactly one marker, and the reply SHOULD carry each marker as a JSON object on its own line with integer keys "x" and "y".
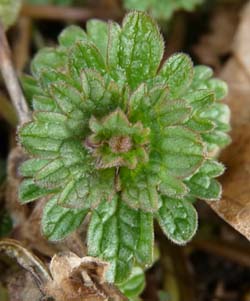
{"x": 69, "y": 277}
{"x": 235, "y": 204}
{"x": 22, "y": 287}
{"x": 79, "y": 279}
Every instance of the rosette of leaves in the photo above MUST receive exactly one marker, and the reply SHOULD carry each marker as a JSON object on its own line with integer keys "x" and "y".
{"x": 120, "y": 137}
{"x": 161, "y": 9}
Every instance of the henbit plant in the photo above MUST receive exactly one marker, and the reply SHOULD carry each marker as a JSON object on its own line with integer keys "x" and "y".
{"x": 120, "y": 137}
{"x": 161, "y": 9}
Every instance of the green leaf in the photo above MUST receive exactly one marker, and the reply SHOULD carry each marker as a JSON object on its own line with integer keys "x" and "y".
{"x": 181, "y": 151}
{"x": 154, "y": 105}
{"x": 45, "y": 130}
{"x": 203, "y": 185}
{"x": 139, "y": 189}
{"x": 31, "y": 87}
{"x": 70, "y": 35}
{"x": 32, "y": 166}
{"x": 202, "y": 80}
{"x": 9, "y": 10}
{"x": 173, "y": 112}
{"x": 58, "y": 222}
{"x": 89, "y": 190}
{"x": 107, "y": 240}
{"x": 47, "y": 58}
{"x": 102, "y": 97}
{"x": 117, "y": 234}
{"x": 29, "y": 191}
{"x": 219, "y": 87}
{"x": 68, "y": 99}
{"x": 200, "y": 124}
{"x": 200, "y": 99}
{"x": 130, "y": 53}
{"x": 86, "y": 55}
{"x": 145, "y": 239}
{"x": 217, "y": 138}
{"x": 44, "y": 147}
{"x": 74, "y": 156}
{"x": 219, "y": 114}
{"x": 116, "y": 73}
{"x": 43, "y": 103}
{"x": 143, "y": 101}
{"x": 204, "y": 188}
{"x": 212, "y": 168}
{"x": 172, "y": 187}
{"x": 177, "y": 73}
{"x": 201, "y": 75}
{"x": 135, "y": 284}
{"x": 178, "y": 219}
{"x": 98, "y": 33}
{"x": 53, "y": 174}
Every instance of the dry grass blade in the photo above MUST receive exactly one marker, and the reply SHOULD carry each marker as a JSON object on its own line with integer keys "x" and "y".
{"x": 11, "y": 80}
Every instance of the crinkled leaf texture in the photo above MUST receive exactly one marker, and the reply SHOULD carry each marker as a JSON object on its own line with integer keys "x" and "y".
{"x": 58, "y": 222}
{"x": 161, "y": 9}
{"x": 115, "y": 135}
{"x": 178, "y": 219}
{"x": 121, "y": 235}
{"x": 134, "y": 285}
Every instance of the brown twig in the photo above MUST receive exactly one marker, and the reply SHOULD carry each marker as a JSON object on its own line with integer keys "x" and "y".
{"x": 21, "y": 45}
{"x": 224, "y": 249}
{"x": 11, "y": 80}
{"x": 50, "y": 12}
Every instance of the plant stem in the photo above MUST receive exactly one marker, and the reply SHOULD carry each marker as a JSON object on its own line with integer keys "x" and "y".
{"x": 11, "y": 80}
{"x": 21, "y": 46}
{"x": 7, "y": 111}
{"x": 51, "y": 12}
{"x": 224, "y": 249}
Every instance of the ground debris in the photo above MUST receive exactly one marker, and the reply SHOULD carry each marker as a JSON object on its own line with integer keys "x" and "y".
{"x": 235, "y": 204}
